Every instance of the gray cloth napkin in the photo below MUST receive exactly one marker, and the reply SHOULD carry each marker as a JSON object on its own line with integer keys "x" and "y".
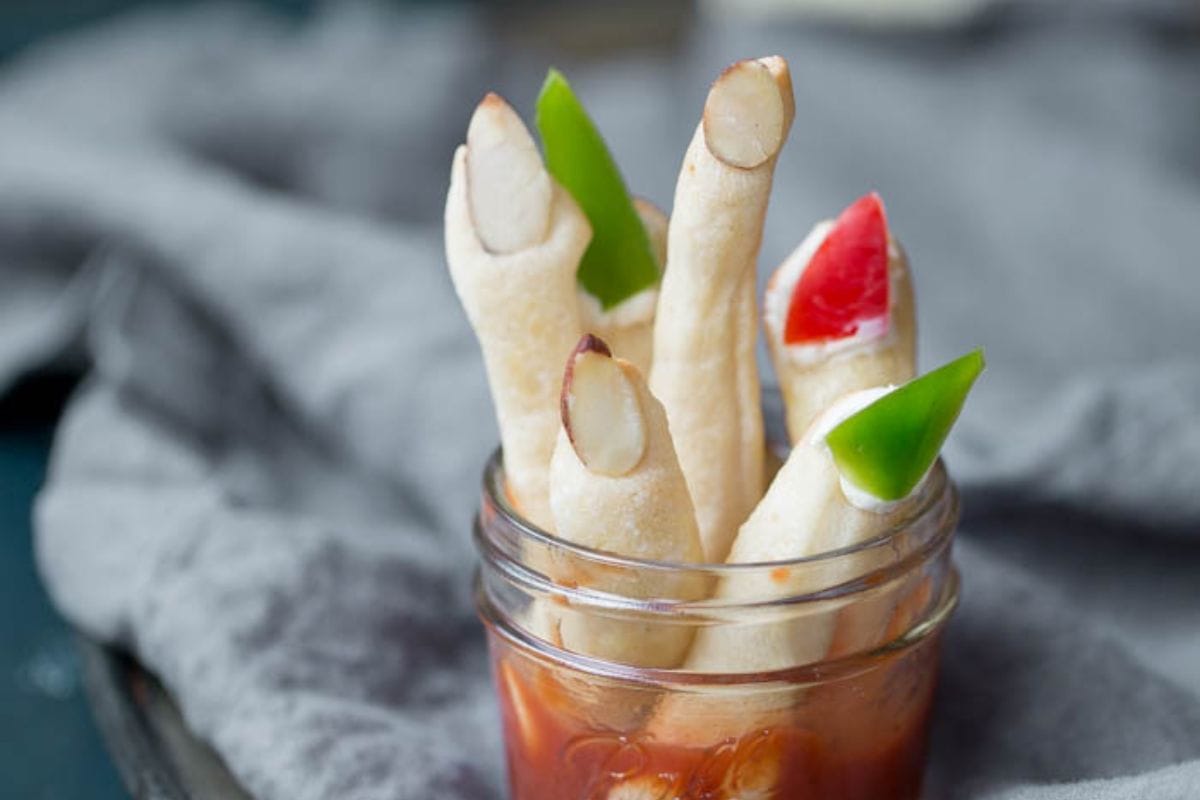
{"x": 264, "y": 487}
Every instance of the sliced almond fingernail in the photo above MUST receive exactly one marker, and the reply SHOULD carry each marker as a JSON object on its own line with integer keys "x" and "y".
{"x": 601, "y": 413}
{"x": 745, "y": 116}
{"x": 508, "y": 188}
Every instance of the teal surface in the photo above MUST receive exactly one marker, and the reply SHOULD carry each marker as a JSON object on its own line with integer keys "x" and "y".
{"x": 52, "y": 748}
{"x": 23, "y": 22}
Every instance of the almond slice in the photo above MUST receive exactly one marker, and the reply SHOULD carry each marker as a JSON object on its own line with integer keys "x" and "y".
{"x": 509, "y": 190}
{"x": 600, "y": 410}
{"x": 745, "y": 116}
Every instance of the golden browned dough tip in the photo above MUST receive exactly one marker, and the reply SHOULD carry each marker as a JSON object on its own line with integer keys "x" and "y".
{"x": 601, "y": 414}
{"x": 746, "y": 116}
{"x": 509, "y": 191}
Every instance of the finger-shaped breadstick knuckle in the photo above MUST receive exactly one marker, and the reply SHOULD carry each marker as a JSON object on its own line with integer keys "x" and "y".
{"x": 509, "y": 190}
{"x": 745, "y": 116}
{"x": 601, "y": 413}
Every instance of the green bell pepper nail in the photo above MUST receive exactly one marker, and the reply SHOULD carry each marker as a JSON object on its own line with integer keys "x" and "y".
{"x": 619, "y": 262}
{"x": 886, "y": 448}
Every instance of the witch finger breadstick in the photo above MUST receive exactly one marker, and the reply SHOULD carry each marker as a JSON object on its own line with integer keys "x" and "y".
{"x": 839, "y": 313}
{"x": 616, "y": 486}
{"x": 619, "y": 272}
{"x": 847, "y": 480}
{"x": 704, "y": 368}
{"x": 513, "y": 241}
{"x": 854, "y": 474}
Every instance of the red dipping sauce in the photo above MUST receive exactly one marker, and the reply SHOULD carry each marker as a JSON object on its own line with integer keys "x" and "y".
{"x": 575, "y": 737}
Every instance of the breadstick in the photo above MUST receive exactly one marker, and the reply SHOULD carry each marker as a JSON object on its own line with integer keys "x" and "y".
{"x": 839, "y": 314}
{"x": 616, "y": 485}
{"x": 513, "y": 241}
{"x": 804, "y": 513}
{"x": 704, "y": 332}
{"x": 853, "y": 475}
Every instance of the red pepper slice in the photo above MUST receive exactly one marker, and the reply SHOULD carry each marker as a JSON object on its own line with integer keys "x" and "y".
{"x": 847, "y": 280}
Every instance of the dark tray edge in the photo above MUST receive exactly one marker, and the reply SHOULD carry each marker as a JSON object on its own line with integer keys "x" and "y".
{"x": 109, "y": 677}
{"x": 146, "y": 736}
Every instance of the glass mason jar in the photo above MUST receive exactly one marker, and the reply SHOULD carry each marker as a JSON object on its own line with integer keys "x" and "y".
{"x": 853, "y": 724}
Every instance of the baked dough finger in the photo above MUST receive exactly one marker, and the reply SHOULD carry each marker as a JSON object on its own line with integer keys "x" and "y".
{"x": 706, "y": 325}
{"x": 804, "y": 513}
{"x": 857, "y": 472}
{"x": 513, "y": 241}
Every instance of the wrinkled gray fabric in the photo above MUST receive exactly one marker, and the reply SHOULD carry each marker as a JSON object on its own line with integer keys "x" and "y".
{"x": 264, "y": 487}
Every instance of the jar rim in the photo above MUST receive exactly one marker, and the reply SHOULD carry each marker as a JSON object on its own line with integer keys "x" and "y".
{"x": 823, "y": 671}
{"x": 937, "y": 492}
